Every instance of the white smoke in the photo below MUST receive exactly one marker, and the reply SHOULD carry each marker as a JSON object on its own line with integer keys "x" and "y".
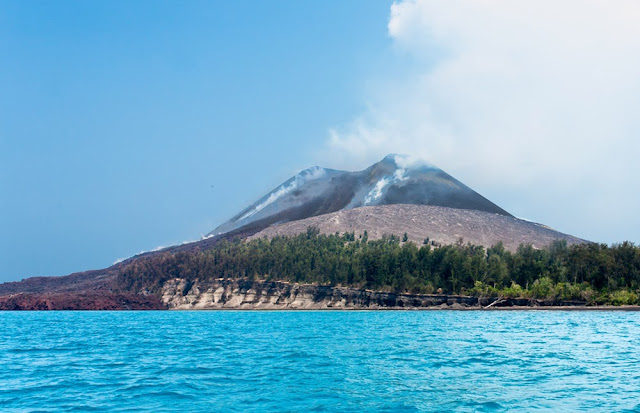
{"x": 533, "y": 103}
{"x": 405, "y": 162}
{"x": 376, "y": 191}
{"x": 302, "y": 177}
{"x": 156, "y": 249}
{"x": 398, "y": 176}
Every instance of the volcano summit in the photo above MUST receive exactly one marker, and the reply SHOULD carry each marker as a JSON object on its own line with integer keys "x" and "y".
{"x": 397, "y": 179}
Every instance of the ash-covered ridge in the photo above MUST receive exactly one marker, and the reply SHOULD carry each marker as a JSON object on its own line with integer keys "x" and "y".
{"x": 397, "y": 179}
{"x": 427, "y": 224}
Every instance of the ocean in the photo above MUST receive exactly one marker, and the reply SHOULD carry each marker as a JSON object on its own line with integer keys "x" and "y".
{"x": 300, "y": 361}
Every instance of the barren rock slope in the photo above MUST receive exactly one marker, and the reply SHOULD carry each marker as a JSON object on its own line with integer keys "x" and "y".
{"x": 440, "y": 224}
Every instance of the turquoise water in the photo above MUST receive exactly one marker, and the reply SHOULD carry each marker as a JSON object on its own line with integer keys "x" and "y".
{"x": 320, "y": 361}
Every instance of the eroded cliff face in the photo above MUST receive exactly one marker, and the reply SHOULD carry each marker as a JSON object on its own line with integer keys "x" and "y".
{"x": 179, "y": 294}
{"x": 247, "y": 294}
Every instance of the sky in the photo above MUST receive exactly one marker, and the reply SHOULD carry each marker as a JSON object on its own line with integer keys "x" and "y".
{"x": 125, "y": 126}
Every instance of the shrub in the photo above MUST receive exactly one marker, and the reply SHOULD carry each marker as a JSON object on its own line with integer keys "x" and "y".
{"x": 514, "y": 291}
{"x": 623, "y": 297}
{"x": 542, "y": 288}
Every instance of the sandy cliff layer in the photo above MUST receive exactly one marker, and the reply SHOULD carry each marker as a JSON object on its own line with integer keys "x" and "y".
{"x": 266, "y": 295}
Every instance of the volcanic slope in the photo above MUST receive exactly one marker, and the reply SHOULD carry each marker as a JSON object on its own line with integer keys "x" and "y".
{"x": 427, "y": 224}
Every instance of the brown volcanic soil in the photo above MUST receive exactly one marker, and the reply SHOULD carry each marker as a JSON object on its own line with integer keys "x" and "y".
{"x": 81, "y": 301}
{"x": 80, "y": 281}
{"x": 440, "y": 224}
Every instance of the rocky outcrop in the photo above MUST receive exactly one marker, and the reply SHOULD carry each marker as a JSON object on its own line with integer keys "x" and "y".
{"x": 247, "y": 294}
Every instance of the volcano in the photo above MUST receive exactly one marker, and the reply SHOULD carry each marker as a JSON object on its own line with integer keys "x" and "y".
{"x": 398, "y": 195}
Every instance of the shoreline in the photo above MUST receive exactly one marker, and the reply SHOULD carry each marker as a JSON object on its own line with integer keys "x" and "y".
{"x": 330, "y": 309}
{"x": 249, "y": 295}
{"x": 400, "y": 309}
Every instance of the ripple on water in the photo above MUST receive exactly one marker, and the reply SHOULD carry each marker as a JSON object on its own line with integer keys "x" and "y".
{"x": 320, "y": 361}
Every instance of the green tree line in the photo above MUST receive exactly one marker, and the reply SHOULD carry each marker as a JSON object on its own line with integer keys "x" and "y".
{"x": 597, "y": 273}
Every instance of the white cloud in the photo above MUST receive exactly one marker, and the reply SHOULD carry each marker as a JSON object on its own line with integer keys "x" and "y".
{"x": 533, "y": 103}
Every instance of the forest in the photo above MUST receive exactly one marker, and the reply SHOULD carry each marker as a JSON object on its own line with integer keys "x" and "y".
{"x": 591, "y": 272}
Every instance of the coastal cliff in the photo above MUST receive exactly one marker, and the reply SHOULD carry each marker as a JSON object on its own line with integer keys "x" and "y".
{"x": 180, "y": 294}
{"x": 245, "y": 294}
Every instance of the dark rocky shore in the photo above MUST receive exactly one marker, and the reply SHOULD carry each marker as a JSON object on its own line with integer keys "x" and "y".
{"x": 221, "y": 294}
{"x": 80, "y": 301}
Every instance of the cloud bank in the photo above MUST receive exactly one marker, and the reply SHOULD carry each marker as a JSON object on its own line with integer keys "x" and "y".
{"x": 533, "y": 103}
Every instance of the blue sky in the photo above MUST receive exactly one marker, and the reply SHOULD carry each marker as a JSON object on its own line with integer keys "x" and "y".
{"x": 129, "y": 125}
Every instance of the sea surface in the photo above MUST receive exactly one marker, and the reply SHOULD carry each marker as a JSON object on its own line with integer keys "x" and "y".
{"x": 299, "y": 361}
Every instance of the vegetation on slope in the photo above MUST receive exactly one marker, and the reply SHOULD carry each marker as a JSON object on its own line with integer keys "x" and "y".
{"x": 596, "y": 273}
